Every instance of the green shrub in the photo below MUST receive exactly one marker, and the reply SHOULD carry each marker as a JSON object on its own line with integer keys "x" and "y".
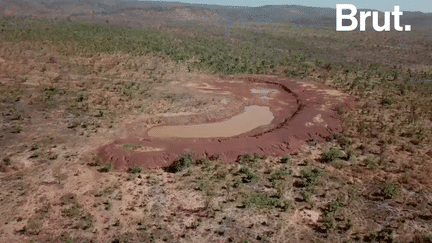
{"x": 391, "y": 190}
{"x": 387, "y": 101}
{"x": 131, "y": 146}
{"x": 248, "y": 175}
{"x": 287, "y": 206}
{"x": 136, "y": 169}
{"x": 96, "y": 161}
{"x": 261, "y": 200}
{"x": 279, "y": 175}
{"x": 427, "y": 238}
{"x": 179, "y": 164}
{"x": 331, "y": 155}
{"x": 35, "y": 146}
{"x": 371, "y": 164}
{"x": 106, "y": 167}
{"x": 81, "y": 97}
{"x": 334, "y": 207}
{"x": 203, "y": 185}
{"x": 286, "y": 159}
{"x": 206, "y": 163}
{"x": 305, "y": 195}
{"x": 330, "y": 221}
{"x": 248, "y": 158}
{"x": 18, "y": 128}
{"x": 384, "y": 235}
{"x": 312, "y": 176}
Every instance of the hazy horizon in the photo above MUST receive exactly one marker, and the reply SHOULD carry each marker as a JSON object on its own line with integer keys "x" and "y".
{"x": 420, "y": 6}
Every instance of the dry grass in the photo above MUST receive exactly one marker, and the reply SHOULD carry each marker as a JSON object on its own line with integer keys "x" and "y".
{"x": 58, "y": 104}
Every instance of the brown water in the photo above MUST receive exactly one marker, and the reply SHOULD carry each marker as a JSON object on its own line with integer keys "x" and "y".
{"x": 253, "y": 117}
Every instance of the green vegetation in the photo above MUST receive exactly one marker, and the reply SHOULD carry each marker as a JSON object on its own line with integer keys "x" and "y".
{"x": 286, "y": 159}
{"x": 260, "y": 200}
{"x": 312, "y": 176}
{"x": 384, "y": 235}
{"x": 179, "y": 164}
{"x": 329, "y": 215}
{"x": 329, "y": 221}
{"x": 248, "y": 158}
{"x": 331, "y": 155}
{"x": 305, "y": 195}
{"x": 82, "y": 97}
{"x": 279, "y": 175}
{"x": 248, "y": 175}
{"x": 130, "y": 146}
{"x": 387, "y": 101}
{"x": 136, "y": 170}
{"x": 387, "y": 135}
{"x": 35, "y": 146}
{"x": 74, "y": 211}
{"x": 391, "y": 190}
{"x": 18, "y": 128}
{"x": 105, "y": 167}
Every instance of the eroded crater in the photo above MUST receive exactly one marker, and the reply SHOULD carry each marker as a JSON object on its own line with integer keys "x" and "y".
{"x": 266, "y": 115}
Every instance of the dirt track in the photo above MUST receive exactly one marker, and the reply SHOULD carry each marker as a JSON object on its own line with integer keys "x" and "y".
{"x": 304, "y": 111}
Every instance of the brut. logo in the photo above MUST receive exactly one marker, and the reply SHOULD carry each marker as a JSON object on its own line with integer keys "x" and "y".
{"x": 364, "y": 15}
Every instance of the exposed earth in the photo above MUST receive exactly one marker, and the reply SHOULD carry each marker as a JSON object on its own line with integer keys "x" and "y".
{"x": 304, "y": 112}
{"x": 111, "y": 133}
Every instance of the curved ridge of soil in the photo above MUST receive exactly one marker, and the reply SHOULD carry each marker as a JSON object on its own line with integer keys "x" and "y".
{"x": 315, "y": 119}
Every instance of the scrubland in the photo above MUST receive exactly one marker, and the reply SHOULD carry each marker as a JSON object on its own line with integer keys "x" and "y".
{"x": 68, "y": 86}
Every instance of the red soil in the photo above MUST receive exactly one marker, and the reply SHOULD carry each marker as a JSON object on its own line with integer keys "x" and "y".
{"x": 309, "y": 114}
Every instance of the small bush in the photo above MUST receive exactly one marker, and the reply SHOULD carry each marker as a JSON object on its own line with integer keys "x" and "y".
{"x": 287, "y": 206}
{"x": 331, "y": 155}
{"x": 85, "y": 222}
{"x": 204, "y": 162}
{"x": 424, "y": 238}
{"x": 330, "y": 221}
{"x": 18, "y": 128}
{"x": 136, "y": 169}
{"x": 215, "y": 157}
{"x": 184, "y": 162}
{"x": 387, "y": 101}
{"x": 280, "y": 175}
{"x": 385, "y": 235}
{"x": 371, "y": 164}
{"x": 203, "y": 186}
{"x": 249, "y": 176}
{"x": 81, "y": 97}
{"x": 305, "y": 195}
{"x": 35, "y": 146}
{"x": 248, "y": 158}
{"x": 96, "y": 161}
{"x": 334, "y": 207}
{"x": 261, "y": 200}
{"x": 344, "y": 141}
{"x": 221, "y": 173}
{"x": 312, "y": 176}
{"x": 391, "y": 190}
{"x": 286, "y": 159}
{"x": 106, "y": 167}
{"x": 131, "y": 146}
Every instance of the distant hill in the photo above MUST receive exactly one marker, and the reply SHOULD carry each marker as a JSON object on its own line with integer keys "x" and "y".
{"x": 158, "y": 13}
